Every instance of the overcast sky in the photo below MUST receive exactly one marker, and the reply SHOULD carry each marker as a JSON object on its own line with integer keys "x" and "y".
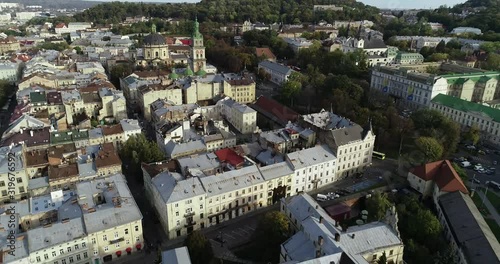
{"x": 411, "y": 3}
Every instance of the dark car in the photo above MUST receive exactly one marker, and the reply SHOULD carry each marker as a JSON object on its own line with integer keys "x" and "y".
{"x": 490, "y": 172}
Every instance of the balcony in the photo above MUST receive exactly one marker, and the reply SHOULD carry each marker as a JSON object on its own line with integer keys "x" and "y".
{"x": 190, "y": 223}
{"x": 190, "y": 214}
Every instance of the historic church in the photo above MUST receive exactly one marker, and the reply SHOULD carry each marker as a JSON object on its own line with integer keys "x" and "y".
{"x": 156, "y": 51}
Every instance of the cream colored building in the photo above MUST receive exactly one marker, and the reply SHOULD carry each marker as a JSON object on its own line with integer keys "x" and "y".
{"x": 112, "y": 219}
{"x": 240, "y": 89}
{"x": 242, "y": 117}
{"x": 13, "y": 176}
{"x": 321, "y": 240}
{"x": 469, "y": 114}
{"x": 150, "y": 93}
{"x": 113, "y": 104}
{"x": 349, "y": 142}
{"x": 8, "y": 44}
{"x": 187, "y": 204}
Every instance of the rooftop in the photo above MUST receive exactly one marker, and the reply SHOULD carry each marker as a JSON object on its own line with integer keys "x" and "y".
{"x": 274, "y": 110}
{"x": 466, "y": 106}
{"x": 202, "y": 162}
{"x": 118, "y": 206}
{"x": 311, "y": 156}
{"x": 232, "y": 180}
{"x": 173, "y": 187}
{"x": 112, "y": 130}
{"x": 229, "y": 156}
{"x": 443, "y": 174}
{"x": 176, "y": 256}
{"x": 5, "y": 159}
{"x": 282, "y": 69}
{"x": 55, "y": 234}
{"x": 327, "y": 120}
{"x": 63, "y": 171}
{"x": 469, "y": 229}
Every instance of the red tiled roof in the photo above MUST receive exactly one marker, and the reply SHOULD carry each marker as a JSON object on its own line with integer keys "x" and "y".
{"x": 266, "y": 52}
{"x": 186, "y": 41}
{"x": 60, "y": 25}
{"x": 229, "y": 156}
{"x": 443, "y": 174}
{"x": 273, "y": 109}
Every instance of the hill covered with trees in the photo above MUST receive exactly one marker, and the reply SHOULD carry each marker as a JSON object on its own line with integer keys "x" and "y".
{"x": 225, "y": 11}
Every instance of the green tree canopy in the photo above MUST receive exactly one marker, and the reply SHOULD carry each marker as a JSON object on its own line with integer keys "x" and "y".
{"x": 473, "y": 134}
{"x": 430, "y": 147}
{"x": 431, "y": 123}
{"x": 272, "y": 230}
{"x": 377, "y": 206}
{"x": 6, "y": 89}
{"x": 138, "y": 149}
{"x": 199, "y": 247}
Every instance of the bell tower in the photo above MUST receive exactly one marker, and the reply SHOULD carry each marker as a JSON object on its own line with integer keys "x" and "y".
{"x": 198, "y": 60}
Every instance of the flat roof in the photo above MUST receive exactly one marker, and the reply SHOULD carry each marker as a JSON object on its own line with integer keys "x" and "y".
{"x": 118, "y": 208}
{"x": 232, "y": 180}
{"x": 176, "y": 256}
{"x": 55, "y": 234}
{"x": 311, "y": 156}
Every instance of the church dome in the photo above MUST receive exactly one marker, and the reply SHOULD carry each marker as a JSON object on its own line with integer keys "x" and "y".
{"x": 188, "y": 72}
{"x": 201, "y": 72}
{"x": 154, "y": 39}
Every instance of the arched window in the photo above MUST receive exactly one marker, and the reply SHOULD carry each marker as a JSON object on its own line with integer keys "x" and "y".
{"x": 156, "y": 53}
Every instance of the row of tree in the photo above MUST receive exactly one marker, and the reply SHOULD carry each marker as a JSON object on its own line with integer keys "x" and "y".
{"x": 136, "y": 150}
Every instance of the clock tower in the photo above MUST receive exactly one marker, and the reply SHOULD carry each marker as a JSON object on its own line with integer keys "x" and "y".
{"x": 198, "y": 60}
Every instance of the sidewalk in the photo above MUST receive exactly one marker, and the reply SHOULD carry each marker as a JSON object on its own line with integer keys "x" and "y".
{"x": 493, "y": 211}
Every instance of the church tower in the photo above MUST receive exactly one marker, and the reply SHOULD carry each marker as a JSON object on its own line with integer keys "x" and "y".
{"x": 198, "y": 60}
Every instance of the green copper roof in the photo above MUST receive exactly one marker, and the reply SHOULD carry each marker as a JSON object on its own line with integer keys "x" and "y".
{"x": 173, "y": 75}
{"x": 196, "y": 29}
{"x": 201, "y": 72}
{"x": 188, "y": 72}
{"x": 466, "y": 106}
{"x": 38, "y": 97}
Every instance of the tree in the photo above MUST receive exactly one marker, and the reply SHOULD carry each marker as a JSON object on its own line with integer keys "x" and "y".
{"x": 441, "y": 47}
{"x": 293, "y": 86}
{"x": 460, "y": 171}
{"x": 199, "y": 247}
{"x": 272, "y": 230}
{"x": 438, "y": 57}
{"x": 119, "y": 71}
{"x": 492, "y": 62}
{"x": 473, "y": 134}
{"x": 446, "y": 256}
{"x": 377, "y": 206}
{"x": 6, "y": 89}
{"x": 382, "y": 259}
{"x": 138, "y": 149}
{"x": 430, "y": 147}
{"x": 432, "y": 69}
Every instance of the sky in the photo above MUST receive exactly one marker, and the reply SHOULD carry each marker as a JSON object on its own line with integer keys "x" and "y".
{"x": 399, "y": 4}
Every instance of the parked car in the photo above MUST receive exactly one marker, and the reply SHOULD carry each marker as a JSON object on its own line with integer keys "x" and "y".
{"x": 470, "y": 147}
{"x": 481, "y": 170}
{"x": 490, "y": 172}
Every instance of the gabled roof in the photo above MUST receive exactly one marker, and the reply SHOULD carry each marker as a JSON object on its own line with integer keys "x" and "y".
{"x": 266, "y": 52}
{"x": 274, "y": 110}
{"x": 228, "y": 155}
{"x": 276, "y": 67}
{"x": 443, "y": 174}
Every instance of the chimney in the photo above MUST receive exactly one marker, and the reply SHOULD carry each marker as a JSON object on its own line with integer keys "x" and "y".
{"x": 320, "y": 240}
{"x": 318, "y": 253}
{"x": 321, "y": 219}
{"x": 337, "y": 237}
{"x": 353, "y": 235}
{"x": 31, "y": 133}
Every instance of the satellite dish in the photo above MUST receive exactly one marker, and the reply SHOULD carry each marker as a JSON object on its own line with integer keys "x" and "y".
{"x": 364, "y": 212}
{"x": 359, "y": 222}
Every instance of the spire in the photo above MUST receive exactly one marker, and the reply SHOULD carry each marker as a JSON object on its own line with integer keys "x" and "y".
{"x": 153, "y": 28}
{"x": 196, "y": 28}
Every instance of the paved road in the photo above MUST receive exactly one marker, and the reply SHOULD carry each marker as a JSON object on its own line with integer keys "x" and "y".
{"x": 486, "y": 161}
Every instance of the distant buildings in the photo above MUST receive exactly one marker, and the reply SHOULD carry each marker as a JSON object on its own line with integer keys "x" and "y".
{"x": 327, "y": 7}
{"x": 71, "y": 27}
{"x": 8, "y": 44}
{"x": 469, "y": 114}
{"x": 463, "y": 30}
{"x": 416, "y": 89}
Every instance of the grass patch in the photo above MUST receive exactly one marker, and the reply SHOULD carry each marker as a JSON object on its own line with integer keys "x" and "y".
{"x": 494, "y": 200}
{"x": 479, "y": 204}
{"x": 495, "y": 228}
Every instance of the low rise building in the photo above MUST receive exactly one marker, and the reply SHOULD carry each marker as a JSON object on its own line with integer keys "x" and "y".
{"x": 242, "y": 117}
{"x": 278, "y": 73}
{"x": 317, "y": 238}
{"x": 351, "y": 143}
{"x": 150, "y": 93}
{"x": 9, "y": 72}
{"x": 9, "y": 44}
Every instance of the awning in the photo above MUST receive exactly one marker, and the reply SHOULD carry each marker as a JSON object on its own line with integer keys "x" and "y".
{"x": 138, "y": 246}
{"x": 118, "y": 253}
{"x": 129, "y": 249}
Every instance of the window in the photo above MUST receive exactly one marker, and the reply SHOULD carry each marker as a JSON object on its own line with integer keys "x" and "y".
{"x": 374, "y": 257}
{"x": 93, "y": 240}
{"x": 104, "y": 238}
{"x": 85, "y": 255}
{"x": 106, "y": 249}
{"x": 54, "y": 254}
{"x": 116, "y": 234}
{"x": 63, "y": 261}
{"x": 56, "y": 262}
{"x": 61, "y": 251}
{"x": 76, "y": 247}
{"x": 176, "y": 214}
{"x": 78, "y": 257}
{"x": 117, "y": 245}
{"x": 38, "y": 259}
{"x": 69, "y": 249}
{"x": 46, "y": 256}
{"x": 84, "y": 244}
{"x": 136, "y": 228}
{"x": 391, "y": 252}
{"x": 126, "y": 231}
{"x": 70, "y": 259}
{"x": 96, "y": 252}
